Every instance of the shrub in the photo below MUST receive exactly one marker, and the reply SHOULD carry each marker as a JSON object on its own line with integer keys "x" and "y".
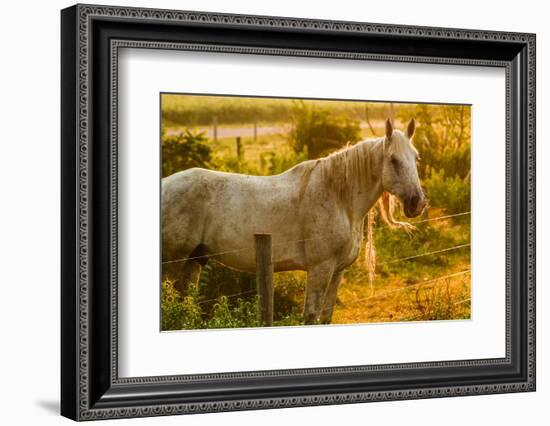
{"x": 216, "y": 280}
{"x": 441, "y": 302}
{"x": 188, "y": 313}
{"x": 278, "y": 163}
{"x": 184, "y": 151}
{"x": 204, "y": 306}
{"x": 450, "y": 193}
{"x": 288, "y": 297}
{"x": 242, "y": 314}
{"x": 179, "y": 312}
{"x": 317, "y": 131}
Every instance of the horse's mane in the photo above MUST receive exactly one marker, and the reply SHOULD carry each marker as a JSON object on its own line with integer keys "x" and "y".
{"x": 347, "y": 167}
{"x": 350, "y": 167}
{"x": 342, "y": 171}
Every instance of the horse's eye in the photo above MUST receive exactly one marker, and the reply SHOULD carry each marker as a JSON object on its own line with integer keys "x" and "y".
{"x": 394, "y": 161}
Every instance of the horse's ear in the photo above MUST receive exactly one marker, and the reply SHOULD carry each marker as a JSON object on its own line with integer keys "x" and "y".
{"x": 389, "y": 129}
{"x": 410, "y": 128}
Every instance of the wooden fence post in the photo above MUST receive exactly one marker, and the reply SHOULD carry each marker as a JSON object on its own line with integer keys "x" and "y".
{"x": 264, "y": 277}
{"x": 215, "y": 128}
{"x": 239, "y": 149}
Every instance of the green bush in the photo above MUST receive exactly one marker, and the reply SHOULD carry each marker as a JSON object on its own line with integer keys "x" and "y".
{"x": 317, "y": 131}
{"x": 205, "y": 305}
{"x": 274, "y": 163}
{"x": 216, "y": 280}
{"x": 241, "y": 314}
{"x": 288, "y": 297}
{"x": 177, "y": 312}
{"x": 188, "y": 312}
{"x": 450, "y": 193}
{"x": 183, "y": 151}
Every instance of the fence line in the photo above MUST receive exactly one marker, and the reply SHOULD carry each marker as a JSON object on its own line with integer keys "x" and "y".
{"x": 375, "y": 296}
{"x": 183, "y": 259}
{"x": 311, "y": 239}
{"x": 420, "y": 283}
{"x": 299, "y": 241}
{"x": 421, "y": 315}
{"x": 440, "y": 217}
{"x": 227, "y": 295}
{"x": 363, "y": 299}
{"x": 424, "y": 254}
{"x": 397, "y": 290}
{"x": 460, "y": 302}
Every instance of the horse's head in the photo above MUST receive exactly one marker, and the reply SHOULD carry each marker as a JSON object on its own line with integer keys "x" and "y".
{"x": 400, "y": 175}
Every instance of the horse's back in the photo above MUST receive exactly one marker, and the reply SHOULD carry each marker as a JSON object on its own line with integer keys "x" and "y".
{"x": 222, "y": 210}
{"x": 222, "y": 187}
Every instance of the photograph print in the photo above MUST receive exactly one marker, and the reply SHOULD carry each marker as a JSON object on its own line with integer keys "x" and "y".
{"x": 301, "y": 212}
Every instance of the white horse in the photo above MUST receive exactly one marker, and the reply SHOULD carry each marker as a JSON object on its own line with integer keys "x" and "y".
{"x": 314, "y": 211}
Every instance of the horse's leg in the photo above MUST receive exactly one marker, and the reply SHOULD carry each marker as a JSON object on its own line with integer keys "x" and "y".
{"x": 318, "y": 278}
{"x": 189, "y": 274}
{"x": 184, "y": 272}
{"x": 181, "y": 274}
{"x": 330, "y": 297}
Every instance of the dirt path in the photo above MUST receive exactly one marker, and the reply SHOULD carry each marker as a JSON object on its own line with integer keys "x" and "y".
{"x": 247, "y": 131}
{"x": 233, "y": 132}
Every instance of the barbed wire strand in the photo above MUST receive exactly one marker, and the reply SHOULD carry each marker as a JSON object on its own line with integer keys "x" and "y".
{"x": 184, "y": 259}
{"x": 407, "y": 287}
{"x": 424, "y": 254}
{"x": 227, "y": 295}
{"x": 462, "y": 301}
{"x": 422, "y": 315}
{"x": 310, "y": 239}
{"x": 383, "y": 263}
{"x": 375, "y": 296}
{"x": 440, "y": 218}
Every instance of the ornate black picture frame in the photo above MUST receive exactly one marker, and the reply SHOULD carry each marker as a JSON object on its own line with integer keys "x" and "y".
{"x": 90, "y": 385}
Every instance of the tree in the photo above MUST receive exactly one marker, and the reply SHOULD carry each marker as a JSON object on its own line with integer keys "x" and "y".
{"x": 442, "y": 138}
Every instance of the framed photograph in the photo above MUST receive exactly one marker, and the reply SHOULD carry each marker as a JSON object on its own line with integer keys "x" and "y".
{"x": 263, "y": 212}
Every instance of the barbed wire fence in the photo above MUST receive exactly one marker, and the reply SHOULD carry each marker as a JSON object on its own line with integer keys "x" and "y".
{"x": 373, "y": 296}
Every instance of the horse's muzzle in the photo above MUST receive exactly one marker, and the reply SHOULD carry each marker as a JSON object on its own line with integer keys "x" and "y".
{"x": 415, "y": 204}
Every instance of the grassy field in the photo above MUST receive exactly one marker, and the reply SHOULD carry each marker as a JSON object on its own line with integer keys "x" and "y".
{"x": 419, "y": 276}
{"x": 428, "y": 287}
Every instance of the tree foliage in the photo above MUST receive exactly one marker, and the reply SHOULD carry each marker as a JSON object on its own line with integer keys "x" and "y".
{"x": 442, "y": 137}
